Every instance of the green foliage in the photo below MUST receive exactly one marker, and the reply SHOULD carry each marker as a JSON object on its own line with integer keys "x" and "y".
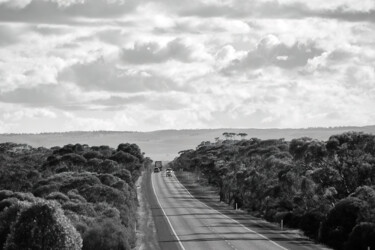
{"x": 86, "y": 184}
{"x": 107, "y": 235}
{"x": 323, "y": 188}
{"x": 43, "y": 225}
{"x": 124, "y": 158}
{"x": 8, "y": 216}
{"x": 132, "y": 149}
{"x": 362, "y": 237}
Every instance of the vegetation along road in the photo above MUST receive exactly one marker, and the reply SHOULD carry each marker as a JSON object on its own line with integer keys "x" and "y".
{"x": 191, "y": 224}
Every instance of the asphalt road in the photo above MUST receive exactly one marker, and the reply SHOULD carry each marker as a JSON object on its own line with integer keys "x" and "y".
{"x": 183, "y": 222}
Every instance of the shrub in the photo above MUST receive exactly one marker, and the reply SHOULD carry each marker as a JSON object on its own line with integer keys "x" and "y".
{"x": 92, "y": 154}
{"x": 108, "y": 235}
{"x": 362, "y": 237}
{"x": 7, "y": 217}
{"x": 124, "y": 158}
{"x": 60, "y": 197}
{"x": 125, "y": 175}
{"x": 310, "y": 223}
{"x": 43, "y": 226}
{"x": 132, "y": 149}
{"x": 341, "y": 220}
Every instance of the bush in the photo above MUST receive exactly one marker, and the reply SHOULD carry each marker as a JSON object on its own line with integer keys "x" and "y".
{"x": 362, "y": 237}
{"x": 124, "y": 158}
{"x": 310, "y": 223}
{"x": 7, "y": 217}
{"x": 108, "y": 235}
{"x": 43, "y": 226}
{"x": 341, "y": 220}
{"x": 60, "y": 197}
{"x": 92, "y": 154}
{"x": 132, "y": 149}
{"x": 125, "y": 175}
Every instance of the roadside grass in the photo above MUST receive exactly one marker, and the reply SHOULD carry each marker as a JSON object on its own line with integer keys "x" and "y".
{"x": 146, "y": 230}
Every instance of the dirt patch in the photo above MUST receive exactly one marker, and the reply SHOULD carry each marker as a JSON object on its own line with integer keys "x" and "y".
{"x": 146, "y": 231}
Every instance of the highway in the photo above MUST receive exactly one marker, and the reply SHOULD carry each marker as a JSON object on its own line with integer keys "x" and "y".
{"x": 183, "y": 222}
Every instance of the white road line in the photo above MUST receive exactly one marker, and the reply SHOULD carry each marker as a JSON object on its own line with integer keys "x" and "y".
{"x": 248, "y": 229}
{"x": 170, "y": 224}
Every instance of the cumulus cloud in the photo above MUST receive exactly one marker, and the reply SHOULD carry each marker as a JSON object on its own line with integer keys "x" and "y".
{"x": 177, "y": 49}
{"x": 42, "y": 95}
{"x": 77, "y": 64}
{"x": 270, "y": 51}
{"x": 29, "y": 113}
{"x": 100, "y": 75}
{"x": 60, "y": 11}
{"x": 291, "y": 9}
{"x": 15, "y": 4}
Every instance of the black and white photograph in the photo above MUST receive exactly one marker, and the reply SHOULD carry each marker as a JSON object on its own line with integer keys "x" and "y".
{"x": 187, "y": 124}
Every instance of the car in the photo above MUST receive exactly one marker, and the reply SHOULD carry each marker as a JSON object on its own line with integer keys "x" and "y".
{"x": 156, "y": 170}
{"x": 169, "y": 172}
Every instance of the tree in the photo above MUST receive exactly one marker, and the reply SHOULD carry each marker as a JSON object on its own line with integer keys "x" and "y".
{"x": 132, "y": 149}
{"x": 124, "y": 158}
{"x": 242, "y": 135}
{"x": 43, "y": 226}
{"x": 7, "y": 217}
{"x": 352, "y": 154}
{"x": 231, "y": 135}
{"x": 226, "y": 135}
{"x": 341, "y": 220}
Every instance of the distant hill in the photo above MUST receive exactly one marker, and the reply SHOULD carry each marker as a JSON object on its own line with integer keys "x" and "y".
{"x": 165, "y": 144}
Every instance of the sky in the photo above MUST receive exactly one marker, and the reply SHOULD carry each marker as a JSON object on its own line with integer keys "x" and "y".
{"x": 140, "y": 65}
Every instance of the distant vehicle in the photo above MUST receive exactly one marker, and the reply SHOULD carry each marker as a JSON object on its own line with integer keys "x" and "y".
{"x": 169, "y": 172}
{"x": 159, "y": 165}
{"x": 156, "y": 170}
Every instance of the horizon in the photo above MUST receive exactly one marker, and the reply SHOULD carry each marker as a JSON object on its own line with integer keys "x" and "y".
{"x": 124, "y": 65}
{"x": 182, "y": 129}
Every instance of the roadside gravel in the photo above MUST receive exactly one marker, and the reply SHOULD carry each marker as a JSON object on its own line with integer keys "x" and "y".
{"x": 146, "y": 231}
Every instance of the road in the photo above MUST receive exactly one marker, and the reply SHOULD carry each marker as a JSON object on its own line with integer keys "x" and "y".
{"x": 184, "y": 222}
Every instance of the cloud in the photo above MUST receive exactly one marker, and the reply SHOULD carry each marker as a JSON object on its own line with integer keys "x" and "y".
{"x": 185, "y": 64}
{"x": 101, "y": 75}
{"x": 347, "y": 10}
{"x": 115, "y": 101}
{"x": 60, "y": 11}
{"x": 177, "y": 49}
{"x": 7, "y": 36}
{"x": 270, "y": 51}
{"x": 199, "y": 26}
{"x": 41, "y": 96}
{"x": 15, "y": 4}
{"x": 29, "y": 113}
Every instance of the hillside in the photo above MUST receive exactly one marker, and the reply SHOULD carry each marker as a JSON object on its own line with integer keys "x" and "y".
{"x": 165, "y": 144}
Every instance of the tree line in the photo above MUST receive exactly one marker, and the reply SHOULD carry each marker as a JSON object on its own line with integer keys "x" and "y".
{"x": 325, "y": 188}
{"x": 70, "y": 197}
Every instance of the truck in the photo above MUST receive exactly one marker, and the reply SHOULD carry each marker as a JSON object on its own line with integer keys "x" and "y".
{"x": 158, "y": 166}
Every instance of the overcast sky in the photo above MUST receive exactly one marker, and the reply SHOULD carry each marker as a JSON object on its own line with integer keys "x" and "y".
{"x": 170, "y": 64}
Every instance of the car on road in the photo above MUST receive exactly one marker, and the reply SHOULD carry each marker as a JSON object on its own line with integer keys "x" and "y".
{"x": 156, "y": 170}
{"x": 169, "y": 172}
